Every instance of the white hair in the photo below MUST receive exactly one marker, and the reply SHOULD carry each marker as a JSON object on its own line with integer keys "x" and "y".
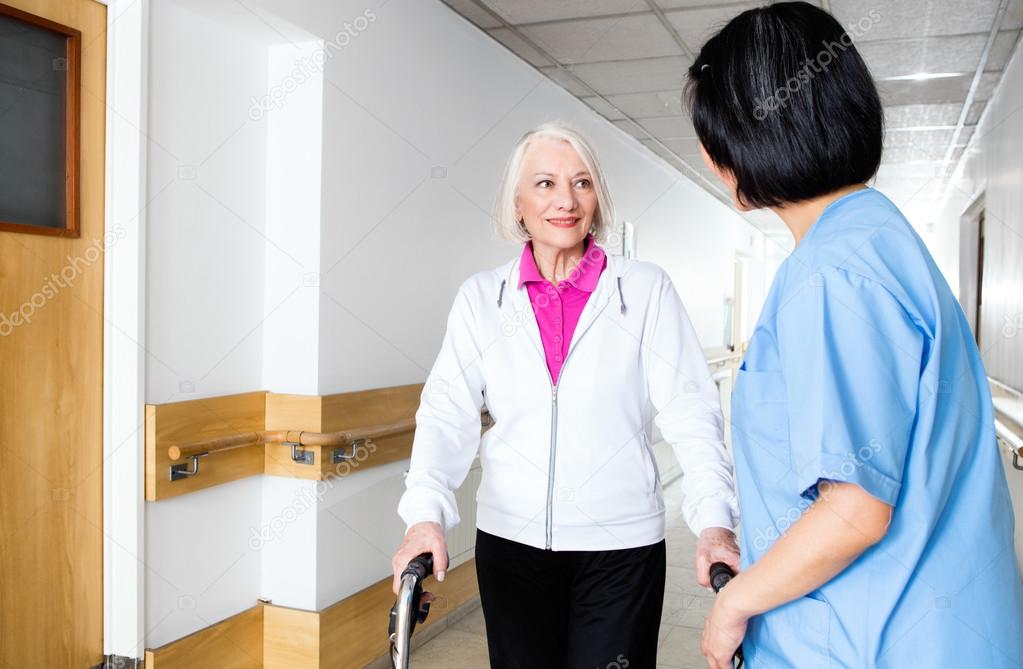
{"x": 508, "y": 225}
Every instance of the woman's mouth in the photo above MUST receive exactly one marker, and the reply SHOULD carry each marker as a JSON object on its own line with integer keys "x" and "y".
{"x": 563, "y": 222}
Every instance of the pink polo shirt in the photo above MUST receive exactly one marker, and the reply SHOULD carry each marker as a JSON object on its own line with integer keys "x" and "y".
{"x": 557, "y": 308}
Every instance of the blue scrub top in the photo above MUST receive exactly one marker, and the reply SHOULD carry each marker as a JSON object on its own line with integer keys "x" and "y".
{"x": 863, "y": 369}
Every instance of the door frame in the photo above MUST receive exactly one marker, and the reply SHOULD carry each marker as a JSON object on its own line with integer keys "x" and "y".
{"x": 124, "y": 332}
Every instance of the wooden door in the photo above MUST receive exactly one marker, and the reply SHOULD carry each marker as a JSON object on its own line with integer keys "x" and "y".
{"x": 51, "y": 399}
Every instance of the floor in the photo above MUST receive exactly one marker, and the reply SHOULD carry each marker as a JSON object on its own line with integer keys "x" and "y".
{"x": 463, "y": 645}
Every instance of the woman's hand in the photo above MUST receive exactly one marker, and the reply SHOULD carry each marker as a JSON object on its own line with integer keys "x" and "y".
{"x": 722, "y": 633}
{"x": 715, "y": 544}
{"x": 421, "y": 538}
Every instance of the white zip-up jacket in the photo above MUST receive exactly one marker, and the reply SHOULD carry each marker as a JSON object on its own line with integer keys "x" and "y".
{"x": 570, "y": 466}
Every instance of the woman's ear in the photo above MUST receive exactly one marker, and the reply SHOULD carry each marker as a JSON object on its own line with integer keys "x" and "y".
{"x": 726, "y": 177}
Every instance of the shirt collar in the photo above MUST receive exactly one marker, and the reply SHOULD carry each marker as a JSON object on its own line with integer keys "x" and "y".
{"x": 583, "y": 277}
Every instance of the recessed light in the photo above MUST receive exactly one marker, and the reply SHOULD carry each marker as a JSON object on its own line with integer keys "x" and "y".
{"x": 925, "y": 76}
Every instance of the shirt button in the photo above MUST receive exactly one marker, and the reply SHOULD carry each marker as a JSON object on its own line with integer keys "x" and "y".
{"x": 557, "y": 321}
{"x": 557, "y": 339}
{"x": 557, "y": 358}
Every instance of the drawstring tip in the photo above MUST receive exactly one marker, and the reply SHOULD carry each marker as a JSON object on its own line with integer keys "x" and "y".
{"x": 500, "y": 295}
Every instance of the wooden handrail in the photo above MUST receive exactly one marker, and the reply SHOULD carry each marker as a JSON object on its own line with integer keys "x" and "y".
{"x": 341, "y": 438}
{"x": 177, "y": 452}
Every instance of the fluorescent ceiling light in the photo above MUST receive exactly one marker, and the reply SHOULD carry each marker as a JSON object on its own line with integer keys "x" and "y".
{"x": 925, "y": 76}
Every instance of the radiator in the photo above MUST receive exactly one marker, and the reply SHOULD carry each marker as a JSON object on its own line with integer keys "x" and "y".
{"x": 462, "y": 539}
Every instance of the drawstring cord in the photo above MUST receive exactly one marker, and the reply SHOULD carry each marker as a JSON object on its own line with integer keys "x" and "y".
{"x": 620, "y": 298}
{"x": 500, "y": 296}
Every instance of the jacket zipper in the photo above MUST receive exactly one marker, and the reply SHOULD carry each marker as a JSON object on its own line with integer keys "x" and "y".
{"x": 554, "y": 441}
{"x": 550, "y": 463}
{"x": 554, "y": 444}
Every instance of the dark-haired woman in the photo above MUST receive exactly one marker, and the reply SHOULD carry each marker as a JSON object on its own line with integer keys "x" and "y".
{"x": 877, "y": 526}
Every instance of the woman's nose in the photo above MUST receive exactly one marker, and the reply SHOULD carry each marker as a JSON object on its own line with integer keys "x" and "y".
{"x": 564, "y": 198}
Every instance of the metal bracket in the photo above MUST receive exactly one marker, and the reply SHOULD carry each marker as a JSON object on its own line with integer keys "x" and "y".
{"x": 183, "y": 471}
{"x": 339, "y": 454}
{"x": 1015, "y": 460}
{"x": 299, "y": 454}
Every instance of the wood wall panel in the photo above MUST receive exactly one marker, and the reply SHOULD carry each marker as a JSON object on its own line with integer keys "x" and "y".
{"x": 183, "y": 422}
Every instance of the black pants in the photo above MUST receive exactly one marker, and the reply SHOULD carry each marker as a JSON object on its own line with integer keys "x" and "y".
{"x": 570, "y": 609}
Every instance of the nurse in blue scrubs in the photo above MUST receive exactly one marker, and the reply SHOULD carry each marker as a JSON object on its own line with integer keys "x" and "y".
{"x": 877, "y": 529}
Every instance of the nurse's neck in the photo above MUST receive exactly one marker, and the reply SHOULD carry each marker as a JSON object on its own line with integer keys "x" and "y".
{"x": 801, "y": 216}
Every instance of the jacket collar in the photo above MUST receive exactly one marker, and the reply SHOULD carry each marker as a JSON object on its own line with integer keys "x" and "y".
{"x": 516, "y": 310}
{"x": 585, "y": 275}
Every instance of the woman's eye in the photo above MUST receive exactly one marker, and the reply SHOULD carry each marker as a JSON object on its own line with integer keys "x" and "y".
{"x": 546, "y": 183}
{"x": 583, "y": 183}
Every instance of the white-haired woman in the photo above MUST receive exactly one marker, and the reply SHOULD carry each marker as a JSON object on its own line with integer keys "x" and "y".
{"x": 573, "y": 351}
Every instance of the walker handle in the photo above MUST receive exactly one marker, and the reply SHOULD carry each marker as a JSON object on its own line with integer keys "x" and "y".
{"x": 420, "y": 566}
{"x": 720, "y": 575}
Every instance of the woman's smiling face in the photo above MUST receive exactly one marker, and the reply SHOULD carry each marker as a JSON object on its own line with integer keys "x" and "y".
{"x": 555, "y": 197}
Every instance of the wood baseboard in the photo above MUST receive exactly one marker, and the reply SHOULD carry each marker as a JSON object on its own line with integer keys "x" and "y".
{"x": 234, "y": 643}
{"x": 351, "y": 634}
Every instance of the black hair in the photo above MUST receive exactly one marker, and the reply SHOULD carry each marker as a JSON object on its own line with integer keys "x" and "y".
{"x": 781, "y": 98}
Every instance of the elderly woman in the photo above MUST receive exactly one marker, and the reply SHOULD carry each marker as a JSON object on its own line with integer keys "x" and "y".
{"x": 877, "y": 527}
{"x": 573, "y": 351}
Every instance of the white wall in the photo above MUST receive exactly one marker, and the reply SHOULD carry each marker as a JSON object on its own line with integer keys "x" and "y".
{"x": 993, "y": 165}
{"x": 419, "y": 112}
{"x": 204, "y": 298}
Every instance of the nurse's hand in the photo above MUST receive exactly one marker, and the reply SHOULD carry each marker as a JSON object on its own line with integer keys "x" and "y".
{"x": 723, "y": 631}
{"x": 421, "y": 538}
{"x": 715, "y": 544}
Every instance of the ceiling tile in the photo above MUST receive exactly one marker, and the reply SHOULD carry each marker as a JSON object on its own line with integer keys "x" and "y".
{"x": 690, "y": 4}
{"x": 566, "y": 81}
{"x": 935, "y": 91}
{"x": 905, "y": 154}
{"x": 520, "y": 47}
{"x": 1002, "y": 50}
{"x": 634, "y": 76}
{"x": 684, "y": 147}
{"x": 669, "y": 127}
{"x": 1013, "y": 16}
{"x": 907, "y": 116}
{"x": 918, "y": 138}
{"x": 988, "y": 83}
{"x": 696, "y": 26}
{"x": 894, "y": 19}
{"x": 472, "y": 11}
{"x": 533, "y": 11}
{"x": 631, "y": 128}
{"x": 647, "y": 105}
{"x": 976, "y": 110}
{"x": 603, "y": 108}
{"x": 661, "y": 151}
{"x": 937, "y": 54}
{"x": 614, "y": 38}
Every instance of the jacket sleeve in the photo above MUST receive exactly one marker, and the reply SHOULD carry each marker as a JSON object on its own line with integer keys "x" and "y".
{"x": 688, "y": 413}
{"x": 447, "y": 433}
